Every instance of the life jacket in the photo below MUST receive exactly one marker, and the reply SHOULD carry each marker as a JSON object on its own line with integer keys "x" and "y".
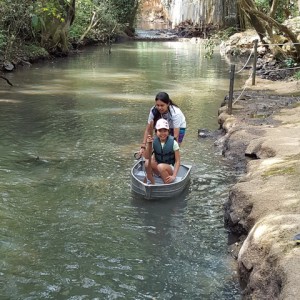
{"x": 164, "y": 154}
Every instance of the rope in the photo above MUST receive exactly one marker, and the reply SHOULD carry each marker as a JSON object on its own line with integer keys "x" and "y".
{"x": 245, "y": 63}
{"x": 245, "y": 86}
{"x": 285, "y": 69}
{"x": 278, "y": 44}
{"x": 246, "y": 82}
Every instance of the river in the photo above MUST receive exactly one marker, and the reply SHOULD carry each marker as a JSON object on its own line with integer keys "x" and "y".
{"x": 70, "y": 228}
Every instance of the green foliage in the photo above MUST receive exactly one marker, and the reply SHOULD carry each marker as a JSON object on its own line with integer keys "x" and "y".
{"x": 209, "y": 48}
{"x": 102, "y": 19}
{"x": 263, "y": 5}
{"x": 297, "y": 75}
{"x": 211, "y": 43}
{"x": 125, "y": 10}
{"x": 52, "y": 9}
{"x": 32, "y": 51}
{"x": 289, "y": 62}
{"x": 84, "y": 11}
{"x": 223, "y": 35}
{"x": 279, "y": 171}
{"x": 98, "y": 16}
{"x": 43, "y": 21}
{"x": 284, "y": 10}
{"x": 2, "y": 39}
{"x": 15, "y": 24}
{"x": 15, "y": 18}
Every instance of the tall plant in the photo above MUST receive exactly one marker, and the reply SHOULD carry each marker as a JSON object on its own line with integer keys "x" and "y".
{"x": 54, "y": 19}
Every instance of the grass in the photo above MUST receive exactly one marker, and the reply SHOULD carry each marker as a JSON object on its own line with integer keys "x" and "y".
{"x": 297, "y": 75}
{"x": 278, "y": 171}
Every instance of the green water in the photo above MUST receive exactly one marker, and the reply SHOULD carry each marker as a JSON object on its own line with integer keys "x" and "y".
{"x": 70, "y": 228}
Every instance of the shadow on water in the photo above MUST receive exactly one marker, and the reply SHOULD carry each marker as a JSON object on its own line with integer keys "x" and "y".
{"x": 163, "y": 206}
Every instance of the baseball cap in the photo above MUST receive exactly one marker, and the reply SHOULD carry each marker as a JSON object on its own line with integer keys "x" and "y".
{"x": 162, "y": 123}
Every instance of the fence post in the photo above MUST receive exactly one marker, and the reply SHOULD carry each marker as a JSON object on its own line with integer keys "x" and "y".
{"x": 254, "y": 62}
{"x": 232, "y": 71}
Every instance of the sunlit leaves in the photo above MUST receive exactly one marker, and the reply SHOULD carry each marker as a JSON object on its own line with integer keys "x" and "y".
{"x": 35, "y": 20}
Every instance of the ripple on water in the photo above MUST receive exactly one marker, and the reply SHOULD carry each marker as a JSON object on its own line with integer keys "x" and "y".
{"x": 70, "y": 227}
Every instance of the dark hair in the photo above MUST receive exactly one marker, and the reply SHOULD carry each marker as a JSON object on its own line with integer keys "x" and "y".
{"x": 164, "y": 97}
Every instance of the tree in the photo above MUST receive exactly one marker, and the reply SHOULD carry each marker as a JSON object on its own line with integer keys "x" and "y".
{"x": 126, "y": 11}
{"x": 49, "y": 24}
{"x": 103, "y": 19}
{"x": 55, "y": 17}
{"x": 15, "y": 24}
{"x": 265, "y": 23}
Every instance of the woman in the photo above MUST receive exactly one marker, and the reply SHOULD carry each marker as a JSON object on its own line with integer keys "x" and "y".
{"x": 165, "y": 108}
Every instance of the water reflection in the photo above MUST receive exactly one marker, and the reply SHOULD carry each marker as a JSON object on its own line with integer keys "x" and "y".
{"x": 148, "y": 25}
{"x": 172, "y": 224}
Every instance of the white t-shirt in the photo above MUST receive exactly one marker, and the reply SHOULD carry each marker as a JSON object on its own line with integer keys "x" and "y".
{"x": 175, "y": 145}
{"x": 174, "y": 116}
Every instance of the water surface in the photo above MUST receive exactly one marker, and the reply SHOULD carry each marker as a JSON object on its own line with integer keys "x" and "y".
{"x": 70, "y": 228}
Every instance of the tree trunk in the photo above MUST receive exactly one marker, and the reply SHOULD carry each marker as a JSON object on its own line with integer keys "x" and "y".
{"x": 283, "y": 29}
{"x": 250, "y": 10}
{"x": 259, "y": 20}
{"x": 55, "y": 33}
{"x": 94, "y": 21}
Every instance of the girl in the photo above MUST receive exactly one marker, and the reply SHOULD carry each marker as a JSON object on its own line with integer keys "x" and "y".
{"x": 166, "y": 160}
{"x": 165, "y": 108}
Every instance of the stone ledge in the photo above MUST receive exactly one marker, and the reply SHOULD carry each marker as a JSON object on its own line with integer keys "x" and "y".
{"x": 264, "y": 206}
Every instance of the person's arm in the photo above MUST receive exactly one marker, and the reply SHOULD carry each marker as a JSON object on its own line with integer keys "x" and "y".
{"x": 148, "y": 150}
{"x": 148, "y": 131}
{"x": 176, "y": 167}
{"x": 176, "y": 134}
{"x": 147, "y": 155}
{"x": 178, "y": 120}
{"x": 177, "y": 163}
{"x": 144, "y": 142}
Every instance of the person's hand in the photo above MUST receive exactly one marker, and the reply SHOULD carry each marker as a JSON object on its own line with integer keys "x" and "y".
{"x": 141, "y": 151}
{"x": 170, "y": 179}
{"x": 149, "y": 139}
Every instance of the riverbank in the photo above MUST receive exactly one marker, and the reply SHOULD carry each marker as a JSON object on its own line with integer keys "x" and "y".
{"x": 262, "y": 137}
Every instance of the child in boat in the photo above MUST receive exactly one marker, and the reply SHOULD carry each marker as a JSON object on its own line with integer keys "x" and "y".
{"x": 165, "y": 160}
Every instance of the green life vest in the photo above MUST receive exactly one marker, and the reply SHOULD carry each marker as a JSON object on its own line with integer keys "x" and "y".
{"x": 164, "y": 154}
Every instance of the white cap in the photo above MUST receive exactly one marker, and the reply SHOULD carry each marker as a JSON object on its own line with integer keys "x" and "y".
{"x": 162, "y": 123}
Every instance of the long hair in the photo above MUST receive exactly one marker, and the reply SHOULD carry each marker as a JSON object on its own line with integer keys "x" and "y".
{"x": 164, "y": 97}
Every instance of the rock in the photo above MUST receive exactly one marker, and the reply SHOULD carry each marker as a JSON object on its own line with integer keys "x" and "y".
{"x": 204, "y": 133}
{"x": 264, "y": 204}
{"x": 297, "y": 238}
{"x": 8, "y": 66}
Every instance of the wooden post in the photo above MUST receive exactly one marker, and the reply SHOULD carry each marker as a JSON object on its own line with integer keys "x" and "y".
{"x": 254, "y": 62}
{"x": 232, "y": 71}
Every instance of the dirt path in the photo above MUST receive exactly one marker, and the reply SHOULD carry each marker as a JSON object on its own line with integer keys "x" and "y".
{"x": 263, "y": 138}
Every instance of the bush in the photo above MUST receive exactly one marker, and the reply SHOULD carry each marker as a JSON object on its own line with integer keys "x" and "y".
{"x": 2, "y": 41}
{"x": 297, "y": 75}
{"x": 34, "y": 51}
